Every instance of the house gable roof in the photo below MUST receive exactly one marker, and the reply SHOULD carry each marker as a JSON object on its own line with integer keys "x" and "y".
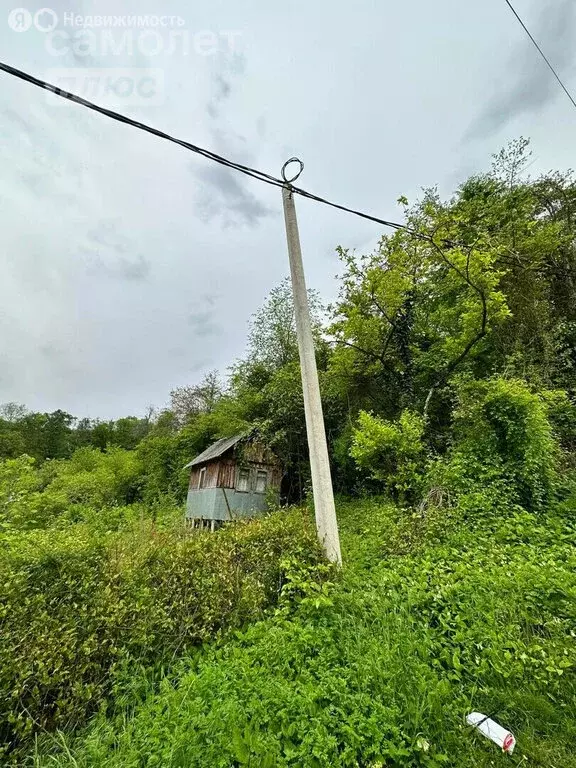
{"x": 216, "y": 450}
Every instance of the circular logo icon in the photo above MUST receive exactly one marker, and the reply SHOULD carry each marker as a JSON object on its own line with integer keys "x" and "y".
{"x": 45, "y": 20}
{"x": 20, "y": 20}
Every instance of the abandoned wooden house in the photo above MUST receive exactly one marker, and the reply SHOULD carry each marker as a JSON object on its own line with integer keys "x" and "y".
{"x": 232, "y": 478}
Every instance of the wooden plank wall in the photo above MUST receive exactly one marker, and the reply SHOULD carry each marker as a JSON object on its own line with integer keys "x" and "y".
{"x": 211, "y": 479}
{"x": 222, "y": 474}
{"x": 227, "y": 474}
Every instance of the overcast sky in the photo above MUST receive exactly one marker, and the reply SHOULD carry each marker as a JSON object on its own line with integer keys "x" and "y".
{"x": 130, "y": 266}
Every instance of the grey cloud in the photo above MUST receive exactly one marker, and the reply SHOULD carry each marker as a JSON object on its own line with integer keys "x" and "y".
{"x": 52, "y": 352}
{"x": 235, "y": 63}
{"x": 227, "y": 142}
{"x": 67, "y": 172}
{"x": 106, "y": 239}
{"x": 9, "y": 378}
{"x": 181, "y": 352}
{"x": 131, "y": 269}
{"x": 17, "y": 120}
{"x": 222, "y": 195}
{"x": 262, "y": 126}
{"x": 228, "y": 68}
{"x": 203, "y": 323}
{"x": 532, "y": 85}
{"x": 135, "y": 269}
{"x": 107, "y": 235}
{"x": 211, "y": 110}
{"x": 224, "y": 87}
{"x": 46, "y": 167}
{"x": 60, "y": 360}
{"x": 35, "y": 182}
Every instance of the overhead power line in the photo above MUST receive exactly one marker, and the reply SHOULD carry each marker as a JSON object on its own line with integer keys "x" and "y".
{"x": 252, "y": 172}
{"x": 541, "y": 52}
{"x": 214, "y": 157}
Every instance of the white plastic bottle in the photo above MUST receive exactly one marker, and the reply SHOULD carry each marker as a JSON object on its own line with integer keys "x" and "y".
{"x": 493, "y": 731}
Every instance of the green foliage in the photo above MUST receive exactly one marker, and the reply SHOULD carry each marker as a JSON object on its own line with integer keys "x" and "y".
{"x": 90, "y": 478}
{"x": 391, "y": 452}
{"x": 65, "y": 490}
{"x": 416, "y": 310}
{"x": 381, "y": 667}
{"x": 164, "y": 458}
{"x": 18, "y": 493}
{"x": 57, "y": 435}
{"x": 489, "y": 290}
{"x": 561, "y": 412}
{"x": 272, "y": 337}
{"x": 504, "y": 439}
{"x": 125, "y": 433}
{"x": 78, "y": 607}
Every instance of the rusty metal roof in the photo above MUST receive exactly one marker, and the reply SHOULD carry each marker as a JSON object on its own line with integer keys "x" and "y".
{"x": 215, "y": 450}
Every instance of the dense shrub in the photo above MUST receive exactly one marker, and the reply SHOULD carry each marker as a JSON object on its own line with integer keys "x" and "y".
{"x": 77, "y": 607}
{"x": 64, "y": 490}
{"x": 562, "y": 414}
{"x": 392, "y": 452}
{"x": 18, "y": 492}
{"x": 503, "y": 444}
{"x": 90, "y": 477}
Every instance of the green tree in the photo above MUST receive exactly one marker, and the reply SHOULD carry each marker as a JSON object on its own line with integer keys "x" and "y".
{"x": 481, "y": 283}
{"x": 272, "y": 336}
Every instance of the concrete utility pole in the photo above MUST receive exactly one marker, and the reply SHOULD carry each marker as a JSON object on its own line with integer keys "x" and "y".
{"x": 324, "y": 508}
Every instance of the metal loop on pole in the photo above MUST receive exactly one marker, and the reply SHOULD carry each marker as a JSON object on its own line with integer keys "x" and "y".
{"x": 292, "y": 160}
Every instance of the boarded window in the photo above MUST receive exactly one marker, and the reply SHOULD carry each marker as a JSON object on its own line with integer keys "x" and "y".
{"x": 243, "y": 480}
{"x": 261, "y": 481}
{"x": 202, "y": 478}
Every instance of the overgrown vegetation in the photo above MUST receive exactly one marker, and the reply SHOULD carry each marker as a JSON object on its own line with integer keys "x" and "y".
{"x": 434, "y": 618}
{"x": 81, "y": 611}
{"x": 447, "y": 368}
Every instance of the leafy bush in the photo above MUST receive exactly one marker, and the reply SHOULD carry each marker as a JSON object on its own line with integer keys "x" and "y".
{"x": 503, "y": 443}
{"x": 18, "y": 494}
{"x": 562, "y": 415}
{"x": 66, "y": 490}
{"x": 391, "y": 451}
{"x": 76, "y": 608}
{"x": 92, "y": 478}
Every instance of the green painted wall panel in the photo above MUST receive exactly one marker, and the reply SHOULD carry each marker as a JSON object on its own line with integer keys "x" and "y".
{"x": 210, "y": 504}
